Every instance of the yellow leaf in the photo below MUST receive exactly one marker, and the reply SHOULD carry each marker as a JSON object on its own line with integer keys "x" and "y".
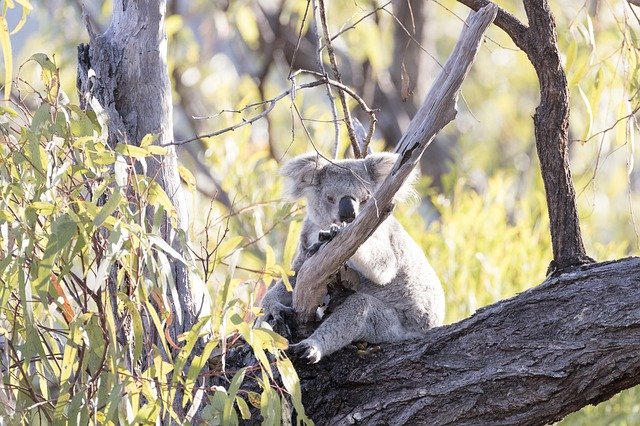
{"x": 188, "y": 178}
{"x": 131, "y": 150}
{"x": 147, "y": 140}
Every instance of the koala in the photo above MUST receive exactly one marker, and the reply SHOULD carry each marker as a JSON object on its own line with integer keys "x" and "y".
{"x": 397, "y": 295}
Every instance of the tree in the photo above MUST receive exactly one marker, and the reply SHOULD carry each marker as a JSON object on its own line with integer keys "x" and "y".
{"x": 120, "y": 78}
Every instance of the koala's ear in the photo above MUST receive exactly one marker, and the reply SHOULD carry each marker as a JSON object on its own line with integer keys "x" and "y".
{"x": 302, "y": 172}
{"x": 380, "y": 165}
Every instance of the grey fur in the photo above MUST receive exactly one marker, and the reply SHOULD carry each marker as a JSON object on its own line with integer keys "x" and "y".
{"x": 399, "y": 295}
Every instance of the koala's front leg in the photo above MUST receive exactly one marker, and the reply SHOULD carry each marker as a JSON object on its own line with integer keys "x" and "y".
{"x": 359, "y": 317}
{"x": 376, "y": 260}
{"x": 277, "y": 306}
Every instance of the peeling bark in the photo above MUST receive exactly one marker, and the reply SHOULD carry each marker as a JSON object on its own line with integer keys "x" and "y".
{"x": 122, "y": 76}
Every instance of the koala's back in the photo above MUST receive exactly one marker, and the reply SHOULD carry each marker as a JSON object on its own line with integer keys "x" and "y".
{"x": 415, "y": 292}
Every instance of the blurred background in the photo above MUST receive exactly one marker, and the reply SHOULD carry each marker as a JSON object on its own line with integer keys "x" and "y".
{"x": 482, "y": 216}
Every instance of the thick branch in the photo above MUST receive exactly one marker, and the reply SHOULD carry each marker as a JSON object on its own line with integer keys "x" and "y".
{"x": 540, "y": 42}
{"x": 531, "y": 359}
{"x": 505, "y": 21}
{"x": 551, "y": 122}
{"x": 438, "y": 109}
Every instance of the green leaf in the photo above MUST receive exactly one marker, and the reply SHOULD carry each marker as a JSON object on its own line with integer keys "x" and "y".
{"x": 229, "y": 414}
{"x": 26, "y": 8}
{"x": 147, "y": 140}
{"x": 157, "y": 196}
{"x": 243, "y": 407}
{"x": 43, "y": 207}
{"x": 188, "y": 178}
{"x": 292, "y": 384}
{"x": 131, "y": 150}
{"x": 108, "y": 208}
{"x": 49, "y": 75}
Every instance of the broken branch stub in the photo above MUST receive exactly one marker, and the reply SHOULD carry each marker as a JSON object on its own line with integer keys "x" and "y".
{"x": 437, "y": 110}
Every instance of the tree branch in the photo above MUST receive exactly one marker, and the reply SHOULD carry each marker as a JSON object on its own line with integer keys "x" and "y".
{"x": 336, "y": 74}
{"x": 438, "y": 109}
{"x": 505, "y": 21}
{"x": 531, "y": 359}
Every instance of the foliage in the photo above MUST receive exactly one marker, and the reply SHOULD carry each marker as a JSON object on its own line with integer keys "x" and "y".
{"x": 73, "y": 220}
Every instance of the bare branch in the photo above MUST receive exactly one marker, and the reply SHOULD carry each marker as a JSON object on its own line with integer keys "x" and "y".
{"x": 438, "y": 109}
{"x": 271, "y": 103}
{"x": 320, "y": 63}
{"x": 336, "y": 74}
{"x": 505, "y": 21}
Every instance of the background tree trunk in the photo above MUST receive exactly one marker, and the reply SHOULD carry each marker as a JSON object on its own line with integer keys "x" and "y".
{"x": 122, "y": 74}
{"x": 551, "y": 121}
{"x": 527, "y": 360}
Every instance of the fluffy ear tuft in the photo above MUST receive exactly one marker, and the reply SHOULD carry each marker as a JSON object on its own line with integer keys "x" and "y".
{"x": 380, "y": 165}
{"x": 302, "y": 172}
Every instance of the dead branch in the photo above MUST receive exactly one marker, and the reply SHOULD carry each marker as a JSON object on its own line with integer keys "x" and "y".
{"x": 438, "y": 109}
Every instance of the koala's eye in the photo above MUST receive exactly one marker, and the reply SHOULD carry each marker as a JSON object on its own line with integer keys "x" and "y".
{"x": 364, "y": 200}
{"x": 331, "y": 199}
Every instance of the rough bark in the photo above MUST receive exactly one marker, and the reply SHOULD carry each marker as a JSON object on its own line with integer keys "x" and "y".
{"x": 551, "y": 121}
{"x": 122, "y": 75}
{"x": 572, "y": 341}
{"x": 438, "y": 109}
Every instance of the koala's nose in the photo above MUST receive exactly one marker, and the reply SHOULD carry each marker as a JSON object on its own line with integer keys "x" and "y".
{"x": 347, "y": 209}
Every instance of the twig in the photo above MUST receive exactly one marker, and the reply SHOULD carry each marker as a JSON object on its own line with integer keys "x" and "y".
{"x": 332, "y": 103}
{"x": 336, "y": 74}
{"x": 271, "y": 104}
{"x": 353, "y": 26}
{"x": 363, "y": 105}
{"x": 295, "y": 51}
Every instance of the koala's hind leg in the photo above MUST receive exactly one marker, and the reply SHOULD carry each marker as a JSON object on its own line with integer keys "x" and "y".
{"x": 359, "y": 317}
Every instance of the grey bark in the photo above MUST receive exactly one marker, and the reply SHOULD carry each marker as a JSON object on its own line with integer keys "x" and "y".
{"x": 122, "y": 75}
{"x": 530, "y": 360}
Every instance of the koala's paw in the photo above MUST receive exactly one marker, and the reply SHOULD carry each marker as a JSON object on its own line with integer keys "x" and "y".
{"x": 328, "y": 235}
{"x": 324, "y": 237}
{"x": 278, "y": 316}
{"x": 307, "y": 350}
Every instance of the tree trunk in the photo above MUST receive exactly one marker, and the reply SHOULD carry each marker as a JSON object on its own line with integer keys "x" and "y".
{"x": 531, "y": 359}
{"x": 122, "y": 75}
{"x": 551, "y": 121}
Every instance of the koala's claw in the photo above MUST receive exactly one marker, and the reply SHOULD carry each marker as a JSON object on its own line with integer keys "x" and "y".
{"x": 306, "y": 350}
{"x": 278, "y": 319}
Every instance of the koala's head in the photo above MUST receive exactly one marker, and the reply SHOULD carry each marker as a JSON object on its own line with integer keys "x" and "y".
{"x": 336, "y": 190}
